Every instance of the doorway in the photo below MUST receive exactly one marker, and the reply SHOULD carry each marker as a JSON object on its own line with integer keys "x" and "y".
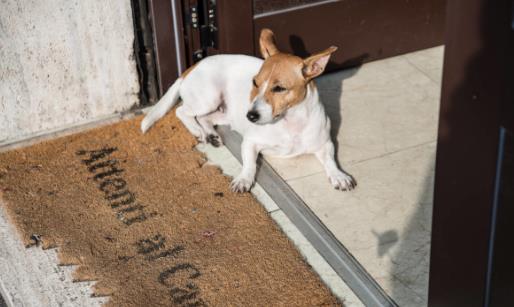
{"x": 386, "y": 74}
{"x": 382, "y": 90}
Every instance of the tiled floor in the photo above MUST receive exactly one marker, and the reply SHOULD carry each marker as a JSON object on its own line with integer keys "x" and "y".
{"x": 384, "y": 116}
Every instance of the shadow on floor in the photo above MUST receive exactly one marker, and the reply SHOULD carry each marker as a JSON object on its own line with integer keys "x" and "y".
{"x": 412, "y": 257}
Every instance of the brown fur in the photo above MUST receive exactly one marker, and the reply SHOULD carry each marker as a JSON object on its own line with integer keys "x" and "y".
{"x": 187, "y": 71}
{"x": 281, "y": 70}
{"x": 267, "y": 43}
{"x": 288, "y": 71}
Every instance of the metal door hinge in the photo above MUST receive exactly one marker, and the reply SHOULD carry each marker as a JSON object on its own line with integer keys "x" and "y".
{"x": 202, "y": 20}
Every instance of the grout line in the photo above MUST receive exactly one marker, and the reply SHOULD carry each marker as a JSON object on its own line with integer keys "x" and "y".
{"x": 391, "y": 152}
{"x": 350, "y": 163}
{"x": 302, "y": 176}
{"x": 420, "y": 70}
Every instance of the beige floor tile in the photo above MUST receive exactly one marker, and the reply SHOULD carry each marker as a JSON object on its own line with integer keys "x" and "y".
{"x": 301, "y": 166}
{"x": 384, "y": 107}
{"x": 429, "y": 61}
{"x": 385, "y": 222}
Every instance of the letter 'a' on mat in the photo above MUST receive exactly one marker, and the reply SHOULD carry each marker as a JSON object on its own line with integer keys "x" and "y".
{"x": 151, "y": 223}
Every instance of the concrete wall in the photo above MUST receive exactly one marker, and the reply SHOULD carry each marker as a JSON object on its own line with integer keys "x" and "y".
{"x": 64, "y": 62}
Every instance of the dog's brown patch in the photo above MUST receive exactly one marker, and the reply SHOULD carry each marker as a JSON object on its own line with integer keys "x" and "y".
{"x": 286, "y": 71}
{"x": 151, "y": 223}
{"x": 315, "y": 64}
{"x": 188, "y": 71}
{"x": 267, "y": 43}
{"x": 283, "y": 70}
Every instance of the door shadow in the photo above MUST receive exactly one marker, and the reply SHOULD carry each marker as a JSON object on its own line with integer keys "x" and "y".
{"x": 411, "y": 258}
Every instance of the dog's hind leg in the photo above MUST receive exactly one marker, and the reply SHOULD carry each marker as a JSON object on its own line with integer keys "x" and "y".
{"x": 197, "y": 105}
{"x": 200, "y": 118}
{"x": 188, "y": 118}
{"x": 208, "y": 122}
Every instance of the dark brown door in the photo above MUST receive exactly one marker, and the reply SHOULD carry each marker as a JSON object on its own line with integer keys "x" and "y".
{"x": 472, "y": 253}
{"x": 159, "y": 47}
{"x": 186, "y": 31}
{"x": 364, "y": 30}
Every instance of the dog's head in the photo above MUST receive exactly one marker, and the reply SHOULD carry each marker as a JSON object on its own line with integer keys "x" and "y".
{"x": 282, "y": 80}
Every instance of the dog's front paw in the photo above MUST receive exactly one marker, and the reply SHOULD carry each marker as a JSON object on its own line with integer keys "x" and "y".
{"x": 342, "y": 181}
{"x": 241, "y": 184}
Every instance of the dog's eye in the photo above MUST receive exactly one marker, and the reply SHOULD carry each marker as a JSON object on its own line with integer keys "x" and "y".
{"x": 254, "y": 83}
{"x": 278, "y": 89}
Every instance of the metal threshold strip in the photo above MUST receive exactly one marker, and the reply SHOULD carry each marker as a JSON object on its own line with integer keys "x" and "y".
{"x": 337, "y": 256}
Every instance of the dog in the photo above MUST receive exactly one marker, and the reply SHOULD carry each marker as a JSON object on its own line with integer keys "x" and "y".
{"x": 273, "y": 103}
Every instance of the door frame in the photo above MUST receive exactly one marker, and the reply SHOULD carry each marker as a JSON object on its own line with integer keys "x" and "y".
{"x": 409, "y": 27}
{"x": 169, "y": 50}
{"x": 477, "y": 110}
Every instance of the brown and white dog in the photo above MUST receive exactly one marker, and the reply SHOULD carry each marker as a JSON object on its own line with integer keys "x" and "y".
{"x": 273, "y": 104}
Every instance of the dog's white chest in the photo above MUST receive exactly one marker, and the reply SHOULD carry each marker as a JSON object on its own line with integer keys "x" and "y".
{"x": 294, "y": 126}
{"x": 288, "y": 141}
{"x": 298, "y": 133}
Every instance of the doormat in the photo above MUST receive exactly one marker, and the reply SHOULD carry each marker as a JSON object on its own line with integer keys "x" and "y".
{"x": 154, "y": 225}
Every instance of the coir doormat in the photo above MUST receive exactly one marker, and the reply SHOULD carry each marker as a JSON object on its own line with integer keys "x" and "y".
{"x": 145, "y": 218}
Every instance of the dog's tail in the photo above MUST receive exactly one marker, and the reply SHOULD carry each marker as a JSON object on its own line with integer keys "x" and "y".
{"x": 162, "y": 107}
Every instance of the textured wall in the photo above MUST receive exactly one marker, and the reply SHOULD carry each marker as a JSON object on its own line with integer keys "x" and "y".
{"x": 63, "y": 62}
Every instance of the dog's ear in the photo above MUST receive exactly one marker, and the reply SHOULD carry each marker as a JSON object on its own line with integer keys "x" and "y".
{"x": 267, "y": 43}
{"x": 314, "y": 65}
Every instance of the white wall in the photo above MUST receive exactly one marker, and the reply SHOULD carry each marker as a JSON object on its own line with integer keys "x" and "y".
{"x": 64, "y": 62}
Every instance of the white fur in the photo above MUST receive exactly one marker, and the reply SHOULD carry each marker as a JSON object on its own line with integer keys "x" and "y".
{"x": 165, "y": 104}
{"x": 217, "y": 92}
{"x": 264, "y": 110}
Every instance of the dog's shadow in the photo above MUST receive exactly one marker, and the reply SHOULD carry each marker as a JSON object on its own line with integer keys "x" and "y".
{"x": 330, "y": 85}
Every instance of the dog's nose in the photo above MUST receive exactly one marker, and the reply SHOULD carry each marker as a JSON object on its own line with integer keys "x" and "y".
{"x": 252, "y": 116}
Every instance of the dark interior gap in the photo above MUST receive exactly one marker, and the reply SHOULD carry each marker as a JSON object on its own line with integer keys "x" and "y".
{"x": 144, "y": 53}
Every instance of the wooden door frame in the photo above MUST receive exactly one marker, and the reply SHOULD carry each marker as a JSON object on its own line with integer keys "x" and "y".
{"x": 407, "y": 29}
{"x": 166, "y": 19}
{"x": 476, "y": 106}
{"x": 236, "y": 28}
